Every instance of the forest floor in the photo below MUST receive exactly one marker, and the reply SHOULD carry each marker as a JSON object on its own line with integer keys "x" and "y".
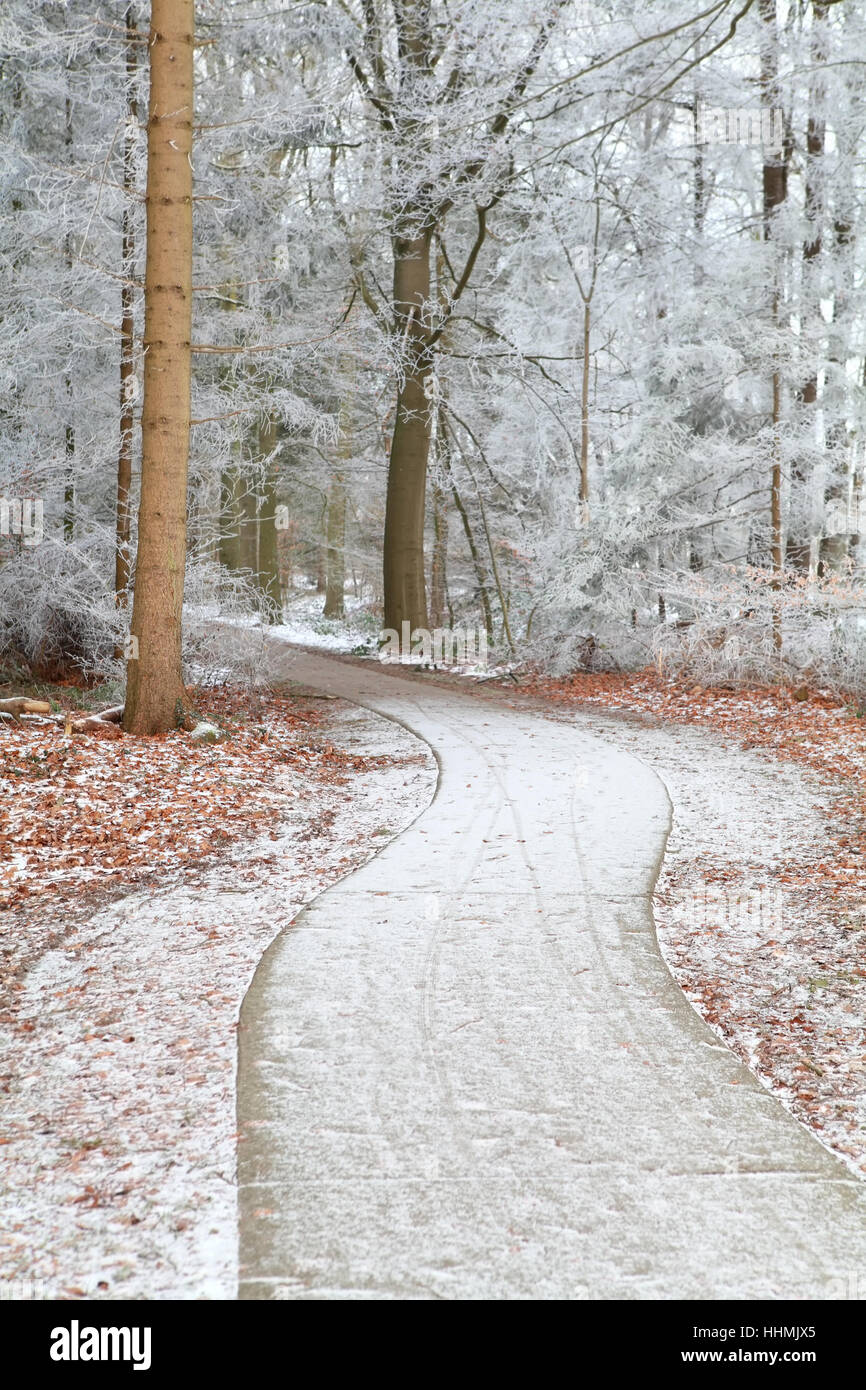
{"x": 469, "y": 1071}
{"x": 142, "y": 880}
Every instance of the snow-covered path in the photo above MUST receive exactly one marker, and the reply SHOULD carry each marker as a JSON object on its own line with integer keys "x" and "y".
{"x": 466, "y": 1072}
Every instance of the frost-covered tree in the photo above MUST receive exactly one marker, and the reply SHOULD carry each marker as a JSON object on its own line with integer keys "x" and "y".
{"x": 550, "y": 322}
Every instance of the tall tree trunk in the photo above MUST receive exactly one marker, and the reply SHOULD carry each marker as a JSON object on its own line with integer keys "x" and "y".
{"x": 439, "y": 558}
{"x": 699, "y": 192}
{"x": 230, "y": 518}
{"x": 444, "y": 460}
{"x": 412, "y": 117}
{"x": 834, "y": 548}
{"x": 335, "y": 586}
{"x": 286, "y": 541}
{"x": 480, "y": 577}
{"x": 235, "y": 551}
{"x": 69, "y": 432}
{"x": 856, "y": 508}
{"x": 584, "y": 411}
{"x": 775, "y": 188}
{"x": 799, "y": 547}
{"x": 403, "y": 560}
{"x": 69, "y": 485}
{"x": 123, "y": 518}
{"x": 322, "y": 554}
{"x": 155, "y": 693}
{"x": 248, "y": 540}
{"x": 268, "y": 575}
{"x": 442, "y": 457}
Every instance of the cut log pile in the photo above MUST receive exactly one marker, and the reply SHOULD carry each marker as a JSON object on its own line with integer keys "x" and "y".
{"x": 105, "y": 723}
{"x": 91, "y": 724}
{"x": 102, "y": 723}
{"x": 13, "y": 709}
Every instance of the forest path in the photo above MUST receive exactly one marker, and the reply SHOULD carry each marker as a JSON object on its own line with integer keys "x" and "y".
{"x": 466, "y": 1072}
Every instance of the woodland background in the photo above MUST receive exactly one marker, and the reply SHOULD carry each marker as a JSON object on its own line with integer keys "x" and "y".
{"x": 503, "y": 316}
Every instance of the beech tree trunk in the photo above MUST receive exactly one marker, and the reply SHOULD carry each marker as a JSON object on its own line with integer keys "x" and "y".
{"x": 411, "y": 119}
{"x": 321, "y": 557}
{"x": 230, "y": 519}
{"x": 155, "y": 695}
{"x": 249, "y": 527}
{"x": 441, "y": 454}
{"x": 403, "y": 565}
{"x": 480, "y": 577}
{"x": 268, "y": 574}
{"x": 335, "y": 588}
{"x": 439, "y": 559}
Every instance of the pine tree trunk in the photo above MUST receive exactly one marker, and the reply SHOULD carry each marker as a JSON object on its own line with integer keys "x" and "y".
{"x": 155, "y": 694}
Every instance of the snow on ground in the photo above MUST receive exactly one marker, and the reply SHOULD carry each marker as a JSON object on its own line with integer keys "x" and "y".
{"x": 118, "y": 1137}
{"x": 304, "y": 624}
{"x": 357, "y": 635}
{"x": 761, "y": 902}
{"x": 119, "y": 1042}
{"x": 525, "y": 1081}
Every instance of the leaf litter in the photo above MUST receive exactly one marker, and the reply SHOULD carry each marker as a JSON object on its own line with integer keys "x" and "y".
{"x": 132, "y": 929}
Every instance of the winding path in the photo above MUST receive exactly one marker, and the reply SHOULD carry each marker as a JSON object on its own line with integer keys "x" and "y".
{"x": 465, "y": 1072}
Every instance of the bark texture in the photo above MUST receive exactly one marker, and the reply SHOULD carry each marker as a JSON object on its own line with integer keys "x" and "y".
{"x": 123, "y": 518}
{"x": 403, "y": 567}
{"x": 155, "y": 694}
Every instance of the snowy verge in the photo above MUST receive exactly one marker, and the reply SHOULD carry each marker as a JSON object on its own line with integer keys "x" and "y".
{"x": 119, "y": 1125}
{"x": 749, "y": 922}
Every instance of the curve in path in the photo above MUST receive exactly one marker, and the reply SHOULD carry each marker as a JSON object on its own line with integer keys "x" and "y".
{"x": 466, "y": 1072}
